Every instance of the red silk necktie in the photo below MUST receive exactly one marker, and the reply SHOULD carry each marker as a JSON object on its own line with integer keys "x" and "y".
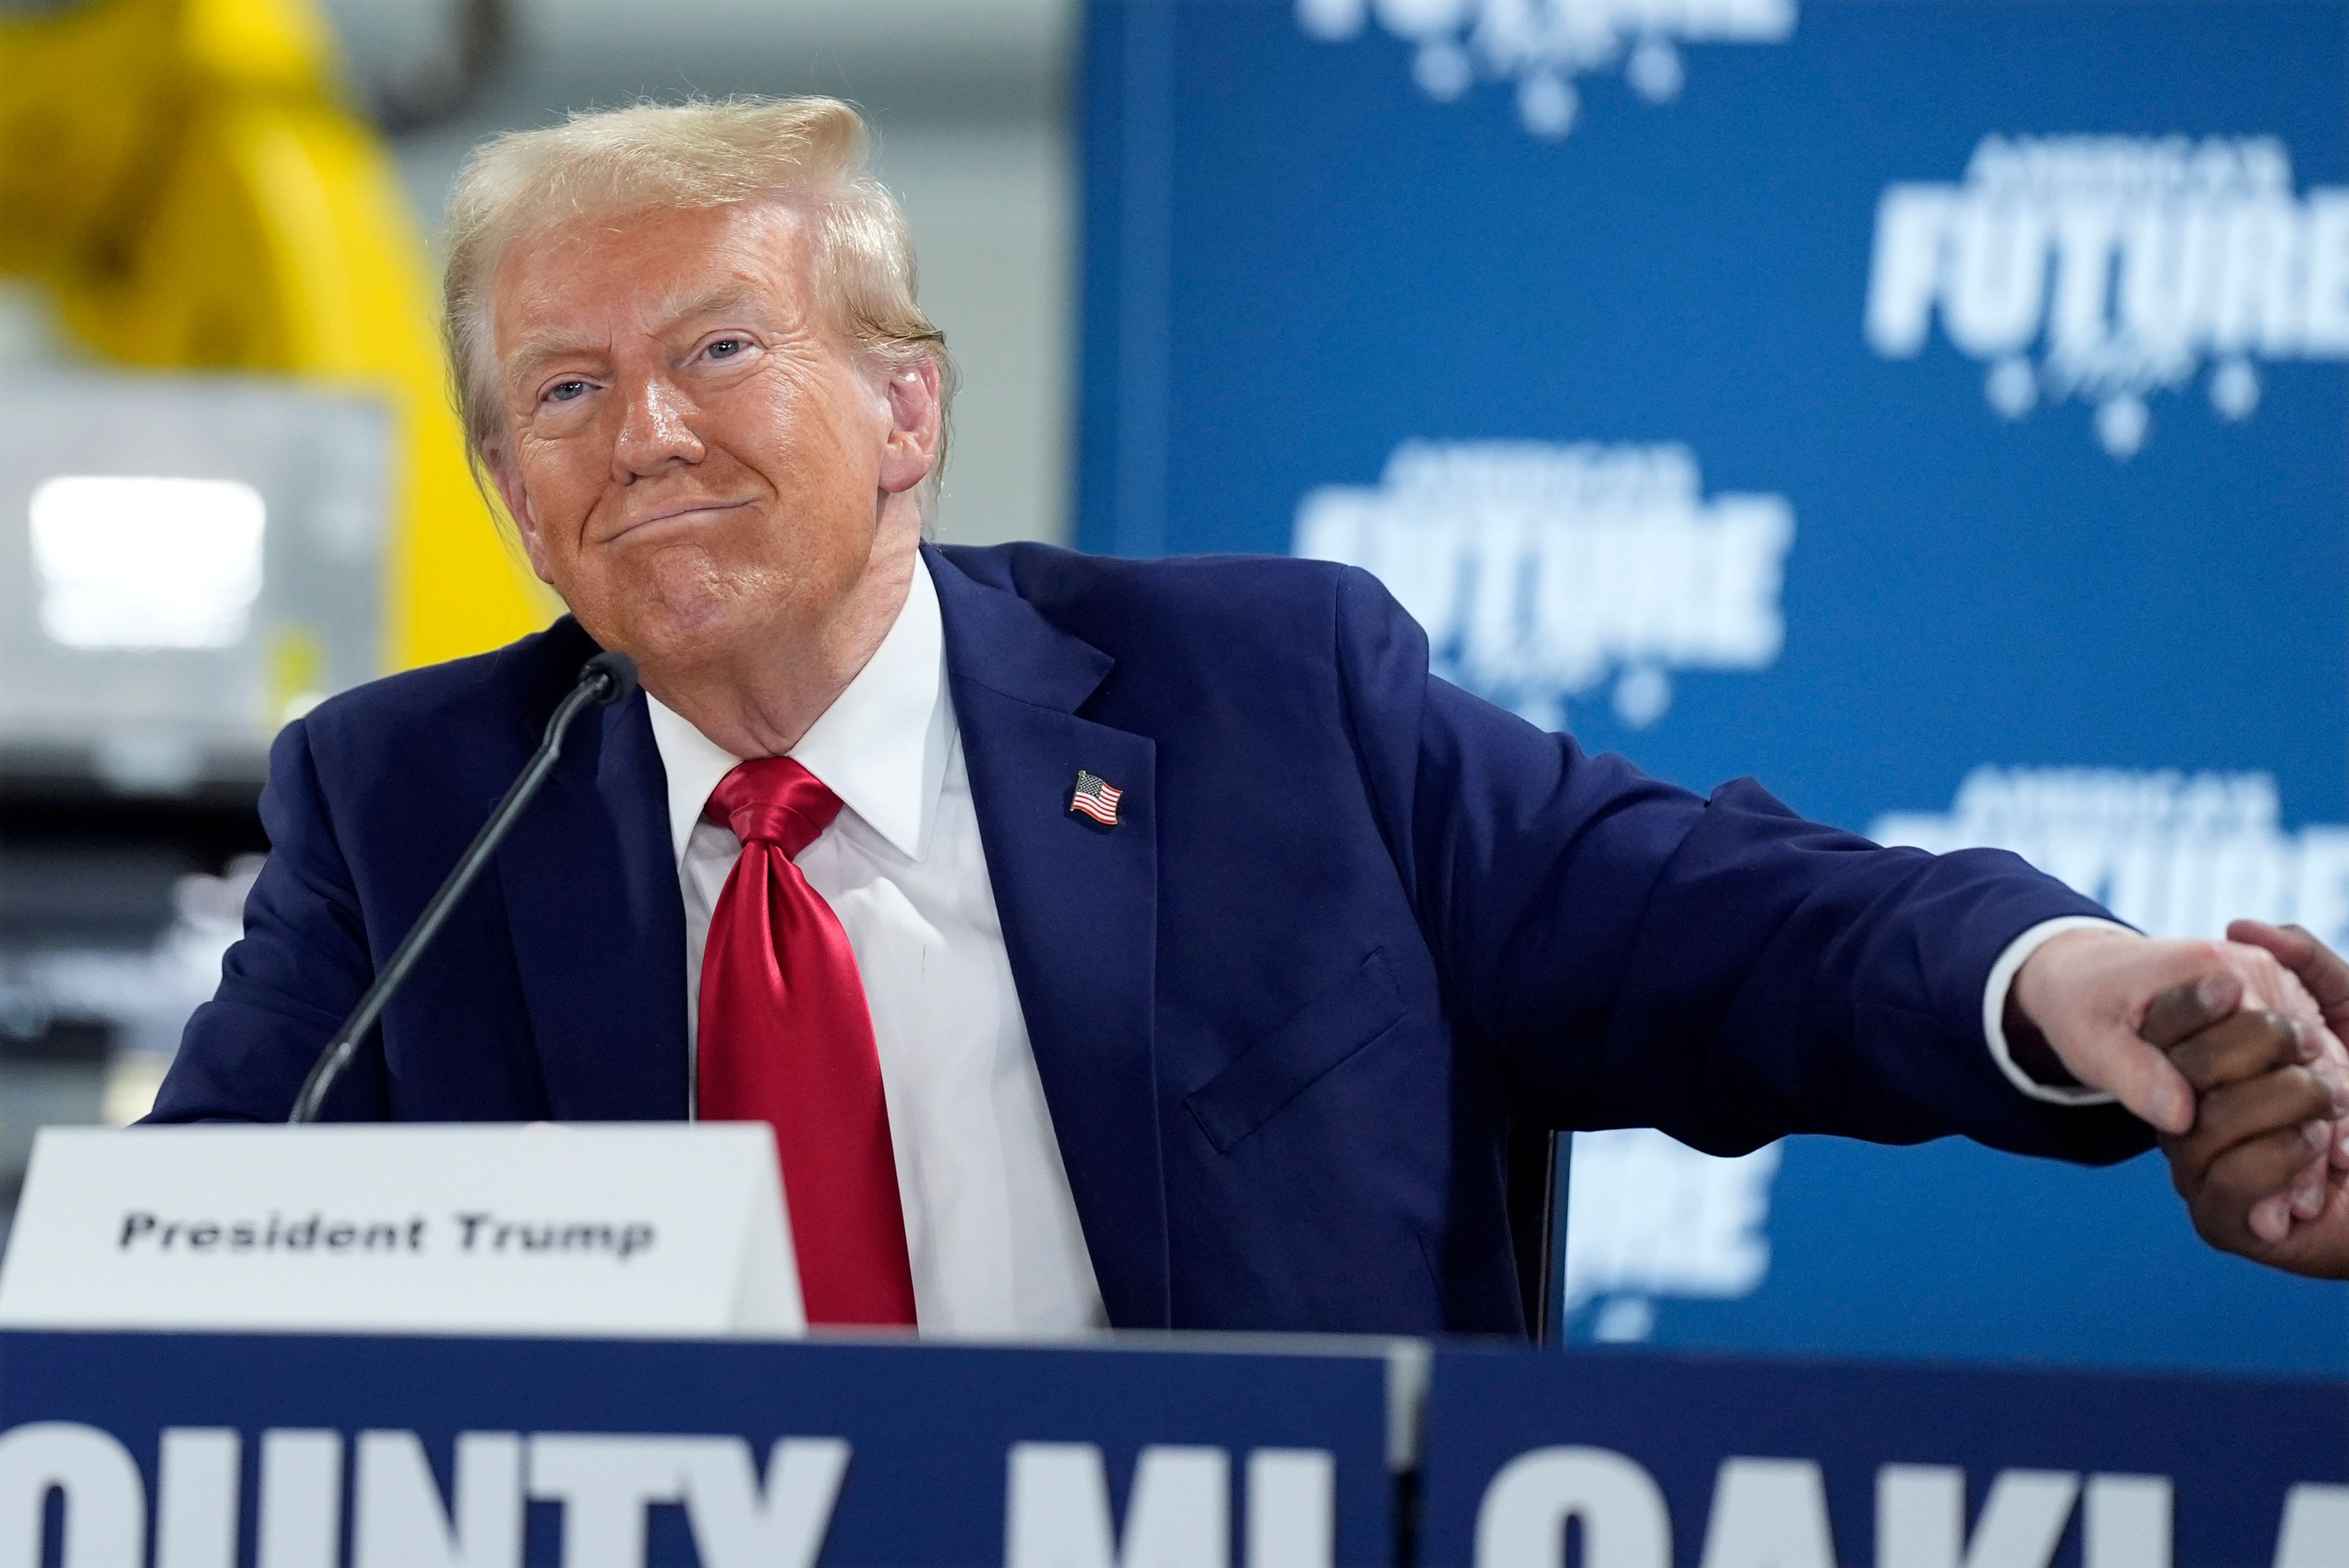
{"x": 786, "y": 1039}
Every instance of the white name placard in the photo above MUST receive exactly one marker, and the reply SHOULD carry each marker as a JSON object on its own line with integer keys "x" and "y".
{"x": 602, "y": 1229}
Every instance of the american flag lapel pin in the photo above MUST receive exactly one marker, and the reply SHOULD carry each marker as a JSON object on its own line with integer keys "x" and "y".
{"x": 1095, "y": 798}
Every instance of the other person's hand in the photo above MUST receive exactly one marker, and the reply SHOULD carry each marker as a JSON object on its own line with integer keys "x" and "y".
{"x": 2088, "y": 992}
{"x": 2263, "y": 1115}
{"x": 2326, "y": 978}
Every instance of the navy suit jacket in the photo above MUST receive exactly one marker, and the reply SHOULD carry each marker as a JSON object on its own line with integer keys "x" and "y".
{"x": 1352, "y": 926}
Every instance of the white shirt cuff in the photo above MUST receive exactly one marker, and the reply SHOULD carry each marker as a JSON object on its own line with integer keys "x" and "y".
{"x": 2002, "y": 980}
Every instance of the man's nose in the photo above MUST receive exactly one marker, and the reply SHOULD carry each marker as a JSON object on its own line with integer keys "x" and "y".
{"x": 655, "y": 430}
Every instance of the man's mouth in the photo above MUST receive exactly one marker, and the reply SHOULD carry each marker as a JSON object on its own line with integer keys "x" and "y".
{"x": 686, "y": 515}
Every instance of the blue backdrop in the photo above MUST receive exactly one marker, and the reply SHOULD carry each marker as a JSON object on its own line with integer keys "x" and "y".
{"x": 1935, "y": 411}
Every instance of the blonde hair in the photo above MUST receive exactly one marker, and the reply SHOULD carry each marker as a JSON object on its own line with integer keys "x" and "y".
{"x": 648, "y": 156}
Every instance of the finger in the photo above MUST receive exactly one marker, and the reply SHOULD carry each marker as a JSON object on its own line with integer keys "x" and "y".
{"x": 2318, "y": 1249}
{"x": 2282, "y": 1098}
{"x": 2184, "y": 1010}
{"x": 2140, "y": 1078}
{"x": 2260, "y": 1171}
{"x": 2237, "y": 1048}
{"x": 2308, "y": 1188}
{"x": 2320, "y": 968}
{"x": 2269, "y": 1220}
{"x": 2329, "y": 1070}
{"x": 2281, "y": 1156}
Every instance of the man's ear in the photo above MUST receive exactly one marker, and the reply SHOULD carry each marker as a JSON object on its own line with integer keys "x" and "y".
{"x": 510, "y": 490}
{"x": 916, "y": 425}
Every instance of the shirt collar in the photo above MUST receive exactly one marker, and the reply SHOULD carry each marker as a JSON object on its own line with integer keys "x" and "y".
{"x": 880, "y": 747}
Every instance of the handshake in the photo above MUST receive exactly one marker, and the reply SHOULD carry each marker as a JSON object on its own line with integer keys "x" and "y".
{"x": 2233, "y": 1052}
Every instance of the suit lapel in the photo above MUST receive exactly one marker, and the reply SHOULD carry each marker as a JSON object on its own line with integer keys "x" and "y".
{"x": 1079, "y": 903}
{"x": 598, "y": 925}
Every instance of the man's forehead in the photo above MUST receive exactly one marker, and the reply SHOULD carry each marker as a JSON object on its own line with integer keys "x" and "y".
{"x": 583, "y": 282}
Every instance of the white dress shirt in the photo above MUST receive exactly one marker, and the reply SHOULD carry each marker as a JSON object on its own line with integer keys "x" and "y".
{"x": 990, "y": 1224}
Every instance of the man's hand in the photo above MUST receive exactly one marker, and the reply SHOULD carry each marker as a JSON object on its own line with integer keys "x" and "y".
{"x": 2265, "y": 1114}
{"x": 2088, "y": 992}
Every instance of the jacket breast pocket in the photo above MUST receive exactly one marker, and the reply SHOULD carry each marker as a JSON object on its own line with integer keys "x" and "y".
{"x": 1291, "y": 1059}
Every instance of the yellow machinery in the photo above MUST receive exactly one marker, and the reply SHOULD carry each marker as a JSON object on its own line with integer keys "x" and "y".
{"x": 184, "y": 177}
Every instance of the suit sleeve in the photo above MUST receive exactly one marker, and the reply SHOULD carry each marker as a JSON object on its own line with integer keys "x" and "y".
{"x": 289, "y": 984}
{"x": 1625, "y": 954}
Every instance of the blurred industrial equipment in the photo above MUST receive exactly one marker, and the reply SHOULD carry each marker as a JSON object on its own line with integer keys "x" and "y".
{"x": 220, "y": 206}
{"x": 230, "y": 484}
{"x": 193, "y": 561}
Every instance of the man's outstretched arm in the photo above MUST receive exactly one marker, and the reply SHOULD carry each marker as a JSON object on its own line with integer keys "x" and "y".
{"x": 1621, "y": 953}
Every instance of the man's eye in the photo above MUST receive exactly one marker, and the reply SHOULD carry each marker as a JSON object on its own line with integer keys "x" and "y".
{"x": 564, "y": 391}
{"x": 727, "y": 347}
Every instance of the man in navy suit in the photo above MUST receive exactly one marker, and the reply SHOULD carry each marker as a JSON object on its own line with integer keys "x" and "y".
{"x": 1148, "y": 944}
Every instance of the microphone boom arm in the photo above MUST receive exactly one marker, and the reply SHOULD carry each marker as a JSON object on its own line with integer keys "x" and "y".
{"x": 607, "y": 678}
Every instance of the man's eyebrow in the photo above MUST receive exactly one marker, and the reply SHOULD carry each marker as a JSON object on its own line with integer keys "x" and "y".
{"x": 539, "y": 350}
{"x": 735, "y": 293}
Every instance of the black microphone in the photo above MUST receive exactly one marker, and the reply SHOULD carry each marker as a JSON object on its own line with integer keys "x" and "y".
{"x": 605, "y": 680}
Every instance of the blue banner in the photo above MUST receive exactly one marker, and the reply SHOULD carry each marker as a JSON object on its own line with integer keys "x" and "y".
{"x": 1661, "y": 1459}
{"x": 190, "y": 1450}
{"x": 306, "y": 1450}
{"x": 1934, "y": 409}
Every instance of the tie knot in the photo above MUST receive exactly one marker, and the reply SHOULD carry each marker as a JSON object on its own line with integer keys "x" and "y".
{"x": 774, "y": 800}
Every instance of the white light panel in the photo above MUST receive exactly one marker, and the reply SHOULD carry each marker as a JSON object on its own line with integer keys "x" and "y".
{"x": 147, "y": 562}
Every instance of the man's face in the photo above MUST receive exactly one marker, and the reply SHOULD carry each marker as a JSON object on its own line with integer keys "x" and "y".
{"x": 696, "y": 458}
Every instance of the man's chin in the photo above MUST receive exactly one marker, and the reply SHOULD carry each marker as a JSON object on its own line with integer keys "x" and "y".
{"x": 684, "y": 635}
